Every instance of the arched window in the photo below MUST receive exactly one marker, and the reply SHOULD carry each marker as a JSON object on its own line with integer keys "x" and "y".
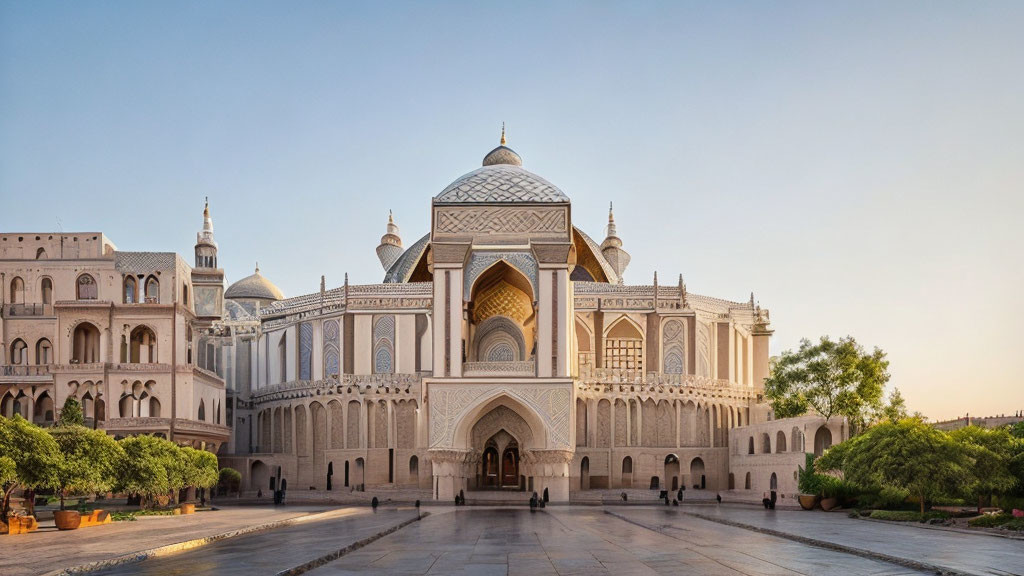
{"x": 624, "y": 347}
{"x": 44, "y": 352}
{"x": 130, "y": 290}
{"x": 17, "y": 290}
{"x": 125, "y": 405}
{"x": 766, "y": 443}
{"x": 41, "y": 254}
{"x": 184, "y": 294}
{"x": 750, "y": 446}
{"x": 414, "y": 467}
{"x": 152, "y": 290}
{"x": 822, "y": 440}
{"x": 19, "y": 352}
{"x": 746, "y": 483}
{"x": 780, "y": 442}
{"x": 154, "y": 407}
{"x": 46, "y": 289}
{"x": 143, "y": 346}
{"x": 86, "y": 288}
{"x": 85, "y": 344}
{"x": 202, "y": 411}
{"x": 43, "y": 409}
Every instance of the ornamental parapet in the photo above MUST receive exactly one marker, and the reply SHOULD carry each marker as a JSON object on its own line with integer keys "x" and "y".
{"x": 141, "y": 367}
{"x": 608, "y": 379}
{"x": 77, "y": 367}
{"x": 351, "y": 383}
{"x": 499, "y": 369}
{"x": 135, "y": 425}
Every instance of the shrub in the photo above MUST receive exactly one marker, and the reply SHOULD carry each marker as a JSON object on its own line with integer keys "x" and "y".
{"x": 990, "y": 520}
{"x": 908, "y": 515}
{"x": 832, "y": 487}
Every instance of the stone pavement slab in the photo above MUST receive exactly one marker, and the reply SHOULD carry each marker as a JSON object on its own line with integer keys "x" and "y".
{"x": 956, "y": 551}
{"x": 565, "y": 540}
{"x": 49, "y": 550}
{"x": 273, "y": 551}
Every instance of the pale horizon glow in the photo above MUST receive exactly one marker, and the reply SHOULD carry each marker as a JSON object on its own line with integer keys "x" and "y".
{"x": 859, "y": 167}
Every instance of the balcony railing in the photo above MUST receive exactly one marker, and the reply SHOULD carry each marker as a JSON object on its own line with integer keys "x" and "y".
{"x": 25, "y": 370}
{"x": 499, "y": 369}
{"x": 16, "y": 310}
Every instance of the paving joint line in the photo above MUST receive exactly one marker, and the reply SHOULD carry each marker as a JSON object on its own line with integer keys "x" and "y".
{"x": 912, "y": 564}
{"x": 332, "y": 556}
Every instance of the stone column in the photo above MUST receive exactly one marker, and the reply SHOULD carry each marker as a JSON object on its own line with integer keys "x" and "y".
{"x": 451, "y": 471}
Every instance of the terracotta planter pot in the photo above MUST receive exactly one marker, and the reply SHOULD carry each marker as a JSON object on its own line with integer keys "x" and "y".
{"x": 67, "y": 519}
{"x": 829, "y": 504}
{"x": 188, "y": 508}
{"x": 807, "y": 501}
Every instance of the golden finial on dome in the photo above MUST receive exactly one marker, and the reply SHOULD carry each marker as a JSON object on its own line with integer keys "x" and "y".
{"x": 206, "y": 208}
{"x": 502, "y": 133}
{"x": 257, "y": 266}
{"x": 611, "y": 213}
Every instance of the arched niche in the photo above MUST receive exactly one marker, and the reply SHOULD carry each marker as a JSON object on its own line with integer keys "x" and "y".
{"x": 502, "y": 315}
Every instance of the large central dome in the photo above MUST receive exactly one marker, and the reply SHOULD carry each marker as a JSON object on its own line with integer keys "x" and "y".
{"x": 502, "y": 179}
{"x": 500, "y": 183}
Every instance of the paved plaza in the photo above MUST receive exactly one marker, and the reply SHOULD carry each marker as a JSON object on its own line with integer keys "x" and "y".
{"x": 558, "y": 540}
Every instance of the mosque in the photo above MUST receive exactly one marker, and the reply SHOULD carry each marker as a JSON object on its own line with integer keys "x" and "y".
{"x": 502, "y": 351}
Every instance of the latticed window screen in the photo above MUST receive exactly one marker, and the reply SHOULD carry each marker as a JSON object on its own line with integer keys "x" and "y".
{"x": 624, "y": 354}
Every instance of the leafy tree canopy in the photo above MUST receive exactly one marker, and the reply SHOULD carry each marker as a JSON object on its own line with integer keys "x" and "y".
{"x": 200, "y": 468}
{"x": 89, "y": 461}
{"x": 832, "y": 377}
{"x": 907, "y": 454}
{"x": 230, "y": 479}
{"x": 991, "y": 450}
{"x": 29, "y": 456}
{"x": 145, "y": 470}
{"x": 71, "y": 413}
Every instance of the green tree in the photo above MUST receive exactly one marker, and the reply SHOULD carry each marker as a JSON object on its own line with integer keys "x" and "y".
{"x": 200, "y": 468}
{"x": 71, "y": 413}
{"x": 895, "y": 408}
{"x": 991, "y": 450}
{"x": 28, "y": 457}
{"x": 907, "y": 454}
{"x": 89, "y": 460}
{"x": 152, "y": 466}
{"x": 832, "y": 377}
{"x": 230, "y": 480}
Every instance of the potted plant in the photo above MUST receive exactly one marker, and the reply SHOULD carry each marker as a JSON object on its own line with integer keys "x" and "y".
{"x": 809, "y": 484}
{"x": 88, "y": 462}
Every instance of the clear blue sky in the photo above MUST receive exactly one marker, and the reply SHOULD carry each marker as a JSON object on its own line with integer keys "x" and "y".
{"x": 860, "y": 167}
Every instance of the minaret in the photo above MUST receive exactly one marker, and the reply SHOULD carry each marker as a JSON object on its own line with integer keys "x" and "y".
{"x": 207, "y": 279}
{"x": 611, "y": 248}
{"x": 206, "y": 246}
{"x": 390, "y": 247}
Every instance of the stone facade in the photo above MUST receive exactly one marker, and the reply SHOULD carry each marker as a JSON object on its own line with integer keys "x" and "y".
{"x": 504, "y": 350}
{"x": 112, "y": 329}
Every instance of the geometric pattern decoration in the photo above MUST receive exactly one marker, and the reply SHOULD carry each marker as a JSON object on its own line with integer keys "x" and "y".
{"x": 703, "y": 350}
{"x": 501, "y": 220}
{"x": 502, "y": 299}
{"x": 500, "y": 183}
{"x": 673, "y": 344}
{"x": 384, "y": 344}
{"x": 305, "y": 351}
{"x": 332, "y": 345}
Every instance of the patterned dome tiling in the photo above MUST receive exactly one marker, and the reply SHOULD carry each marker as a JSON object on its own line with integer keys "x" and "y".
{"x": 501, "y": 183}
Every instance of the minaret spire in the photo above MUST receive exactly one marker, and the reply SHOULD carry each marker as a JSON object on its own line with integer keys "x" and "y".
{"x": 206, "y": 245}
{"x": 390, "y": 247}
{"x": 611, "y": 248}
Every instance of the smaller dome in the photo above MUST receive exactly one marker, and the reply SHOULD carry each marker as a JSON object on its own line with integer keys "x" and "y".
{"x": 254, "y": 286}
{"x": 502, "y": 155}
